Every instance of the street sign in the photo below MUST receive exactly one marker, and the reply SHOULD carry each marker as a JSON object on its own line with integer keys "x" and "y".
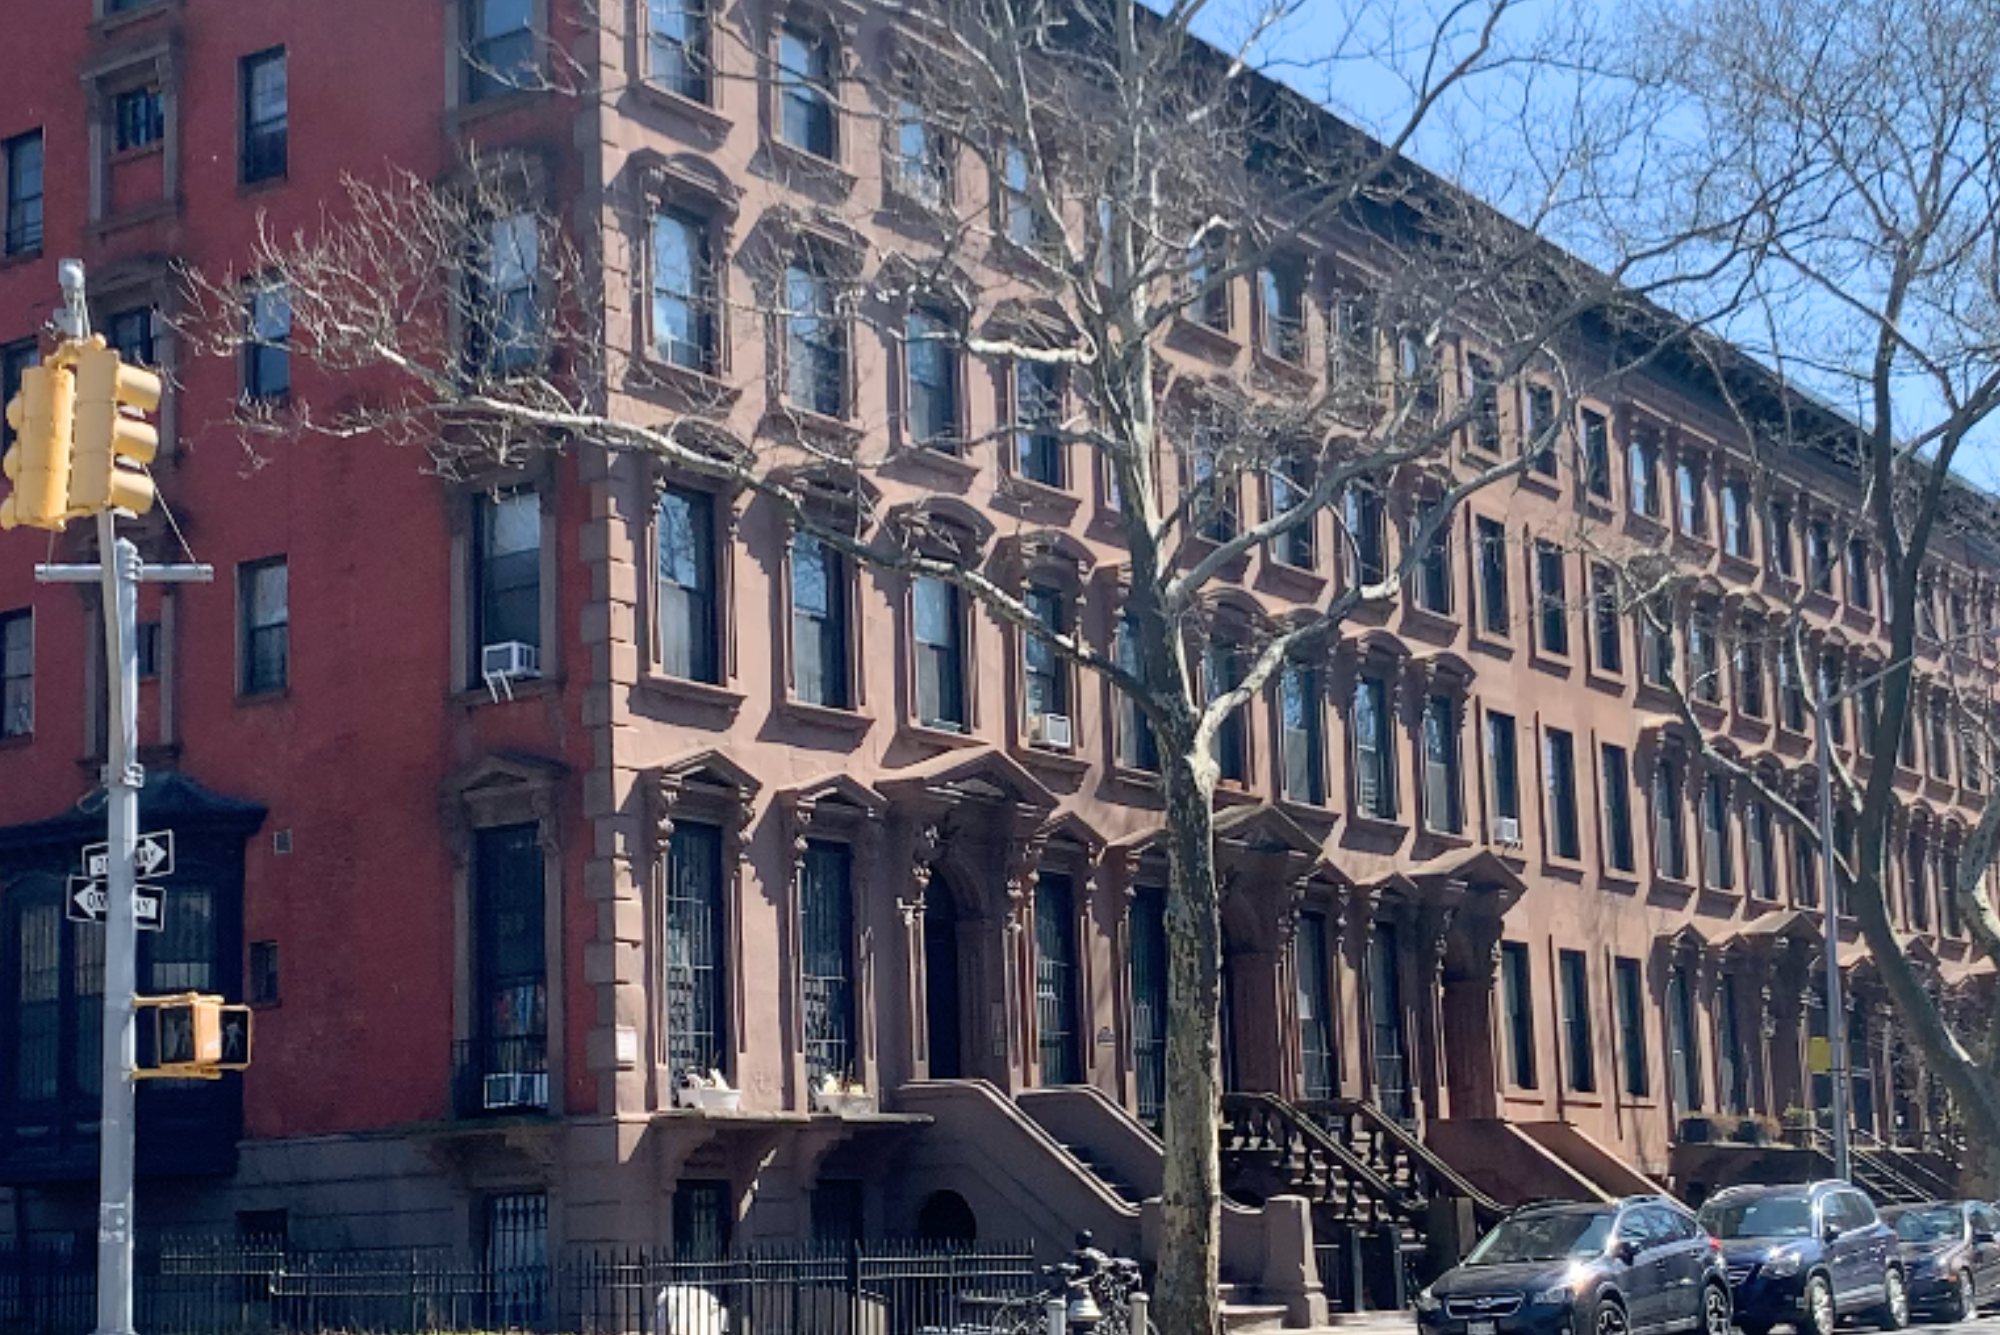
{"x": 154, "y": 856}
{"x": 87, "y": 899}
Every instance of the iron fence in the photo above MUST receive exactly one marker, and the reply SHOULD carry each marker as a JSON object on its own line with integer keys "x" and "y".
{"x": 230, "y": 1288}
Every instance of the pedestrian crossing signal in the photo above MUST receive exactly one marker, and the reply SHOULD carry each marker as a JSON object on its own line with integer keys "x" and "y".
{"x": 192, "y": 1037}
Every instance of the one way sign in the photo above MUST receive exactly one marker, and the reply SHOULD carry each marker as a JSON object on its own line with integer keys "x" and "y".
{"x": 154, "y": 856}
{"x": 87, "y": 902}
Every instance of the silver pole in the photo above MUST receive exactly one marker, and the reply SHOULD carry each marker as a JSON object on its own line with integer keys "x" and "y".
{"x": 1836, "y": 1013}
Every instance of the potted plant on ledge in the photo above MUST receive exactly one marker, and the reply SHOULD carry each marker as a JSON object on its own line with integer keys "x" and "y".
{"x": 843, "y": 1095}
{"x": 709, "y": 1093}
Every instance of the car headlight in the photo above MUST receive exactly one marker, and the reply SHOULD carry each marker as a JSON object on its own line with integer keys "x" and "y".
{"x": 1427, "y": 1301}
{"x": 1554, "y": 1297}
{"x": 1782, "y": 1264}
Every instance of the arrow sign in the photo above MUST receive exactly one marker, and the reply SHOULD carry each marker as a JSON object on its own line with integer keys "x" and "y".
{"x": 88, "y": 899}
{"x": 153, "y": 856}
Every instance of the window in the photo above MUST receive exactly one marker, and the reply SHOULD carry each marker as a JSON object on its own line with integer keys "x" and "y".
{"x": 1038, "y": 404}
{"x": 704, "y": 1212}
{"x": 1442, "y": 806}
{"x": 1736, "y": 518}
{"x": 1596, "y": 454}
{"x": 1759, "y": 851}
{"x": 805, "y": 91}
{"x": 1374, "y": 750}
{"x": 1361, "y": 510}
{"x": 515, "y": 1233}
{"x": 1517, "y": 986}
{"x": 506, "y": 573}
{"x": 17, "y": 674}
{"x": 1732, "y": 1070}
{"x": 15, "y": 359}
{"x": 1860, "y": 587}
{"x": 1137, "y": 747}
{"x": 1299, "y": 715}
{"x": 1552, "y": 597}
{"x": 263, "y": 594}
{"x": 1692, "y": 487}
{"x": 147, "y": 650}
{"x": 1937, "y": 713}
{"x": 1388, "y": 1046}
{"x": 1618, "y": 810}
{"x": 264, "y": 973}
{"x": 815, "y": 343}
{"x": 506, "y": 319}
{"x": 1749, "y": 671}
{"x": 1281, "y": 300}
{"x": 1869, "y": 701}
{"x": 826, "y": 961}
{"x": 931, "y": 365}
{"x": 1683, "y": 1042}
{"x": 1607, "y": 634}
{"x": 1828, "y": 703}
{"x": 1578, "y": 1057}
{"x": 1819, "y": 556}
{"x": 920, "y": 157}
{"x": 1632, "y": 1027}
{"x": 509, "y": 968}
{"x": 265, "y": 116}
{"x": 819, "y": 624}
{"x": 1212, "y": 499}
{"x": 1055, "y": 981}
{"x": 1656, "y": 643}
{"x": 1482, "y": 389}
{"x": 1791, "y": 692}
{"x": 1291, "y": 482}
{"x": 839, "y": 1217}
{"x": 1645, "y": 466}
{"x": 1020, "y": 221}
{"x": 21, "y": 156}
{"x": 1494, "y": 613}
{"x": 1416, "y": 375}
{"x": 1503, "y": 763}
{"x": 684, "y": 293}
{"x": 130, "y": 334}
{"x": 1206, "y": 281}
{"x": 1220, "y": 671}
{"x": 267, "y": 357}
{"x": 1559, "y": 755}
{"x": 1540, "y": 402}
{"x": 940, "y": 644}
{"x": 1669, "y": 833}
{"x": 1906, "y": 745}
{"x": 1149, "y": 1003}
{"x": 1718, "y": 862}
{"x": 677, "y": 46}
{"x": 1704, "y": 659}
{"x": 1434, "y": 572}
{"x": 684, "y": 534}
{"x": 1948, "y": 893}
{"x": 138, "y": 119}
{"x": 1805, "y": 872}
{"x": 499, "y": 48}
{"x": 694, "y": 983}
{"x": 1778, "y": 538}
{"x": 1045, "y": 676}
{"x": 1916, "y": 875}
{"x": 1320, "y": 1073}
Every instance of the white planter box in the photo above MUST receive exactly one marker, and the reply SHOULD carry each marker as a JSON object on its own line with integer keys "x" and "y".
{"x": 709, "y": 1100}
{"x": 845, "y": 1105}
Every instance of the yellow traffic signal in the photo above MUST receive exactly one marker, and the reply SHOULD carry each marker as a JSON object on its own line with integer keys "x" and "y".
{"x": 110, "y": 433}
{"x": 39, "y": 463}
{"x": 193, "y": 1036}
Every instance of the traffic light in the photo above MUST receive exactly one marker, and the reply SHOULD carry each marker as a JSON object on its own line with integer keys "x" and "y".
{"x": 111, "y": 433}
{"x": 193, "y": 1036}
{"x": 39, "y": 463}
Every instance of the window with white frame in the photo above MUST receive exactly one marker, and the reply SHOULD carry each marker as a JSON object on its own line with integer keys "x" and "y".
{"x": 940, "y": 654}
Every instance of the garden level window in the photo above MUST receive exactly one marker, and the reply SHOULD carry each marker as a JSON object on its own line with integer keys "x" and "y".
{"x": 499, "y": 47}
{"x": 815, "y": 343}
{"x": 806, "y": 118}
{"x": 677, "y": 56}
{"x": 684, "y": 332}
{"x": 1319, "y": 1062}
{"x": 695, "y": 975}
{"x": 1299, "y": 715}
{"x": 1517, "y": 989}
{"x": 940, "y": 654}
{"x": 21, "y": 157}
{"x": 507, "y": 582}
{"x": 266, "y": 116}
{"x": 820, "y": 652}
{"x": 17, "y": 674}
{"x": 685, "y": 592}
{"x": 263, "y": 595}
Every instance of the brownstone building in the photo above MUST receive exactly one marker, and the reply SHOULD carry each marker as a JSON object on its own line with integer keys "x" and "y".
{"x": 567, "y": 781}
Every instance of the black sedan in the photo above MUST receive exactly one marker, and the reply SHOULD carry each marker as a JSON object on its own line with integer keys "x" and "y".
{"x": 1951, "y": 1252}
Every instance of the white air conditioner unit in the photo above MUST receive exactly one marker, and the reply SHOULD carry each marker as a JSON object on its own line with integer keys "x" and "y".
{"x": 516, "y": 1089}
{"x": 1050, "y": 730}
{"x": 1507, "y": 831}
{"x": 505, "y": 663}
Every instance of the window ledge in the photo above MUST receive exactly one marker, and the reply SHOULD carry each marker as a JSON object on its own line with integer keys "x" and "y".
{"x": 945, "y": 462}
{"x": 1216, "y": 343}
{"x": 669, "y": 380}
{"x": 1742, "y": 569}
{"x": 499, "y": 104}
{"x": 20, "y": 258}
{"x": 694, "y": 692}
{"x": 1568, "y": 866}
{"x": 1028, "y": 495}
{"x": 1715, "y": 713}
{"x": 1445, "y": 839}
{"x": 1361, "y": 820}
{"x": 1673, "y": 885}
{"x": 1598, "y": 506}
{"x": 1197, "y": 547}
{"x": 1582, "y": 1098}
{"x": 1418, "y": 617}
{"x": 1623, "y": 878}
{"x": 115, "y": 22}
{"x": 1284, "y": 370}
{"x": 932, "y": 735}
{"x": 134, "y": 217}
{"x": 700, "y": 115}
{"x": 831, "y": 717}
{"x": 16, "y": 741}
{"x": 1234, "y": 793}
{"x": 1060, "y": 762}
{"x": 1731, "y": 893}
{"x": 1541, "y": 482}
{"x": 1597, "y": 676}
{"x": 1313, "y": 815}
{"x": 1013, "y": 255}
{"x": 276, "y": 695}
{"x": 932, "y": 216}
{"x": 1492, "y": 642}
{"x": 1554, "y": 662}
{"x": 1860, "y": 618}
{"x": 263, "y": 185}
{"x": 785, "y": 422}
{"x": 1821, "y": 603}
{"x": 1696, "y": 546}
{"x": 824, "y": 172}
{"x": 1645, "y": 525}
{"x": 532, "y": 688}
{"x": 1143, "y": 779}
{"x": 1299, "y": 580}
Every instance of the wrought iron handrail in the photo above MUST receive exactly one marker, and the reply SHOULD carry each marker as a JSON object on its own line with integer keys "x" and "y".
{"x": 1339, "y": 1118}
{"x": 1266, "y": 1117}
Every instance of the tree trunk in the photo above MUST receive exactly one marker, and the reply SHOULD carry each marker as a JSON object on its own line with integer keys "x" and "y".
{"x": 1187, "y": 1302}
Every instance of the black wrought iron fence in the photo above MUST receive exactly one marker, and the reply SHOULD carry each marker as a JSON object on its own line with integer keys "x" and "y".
{"x": 214, "y": 1288}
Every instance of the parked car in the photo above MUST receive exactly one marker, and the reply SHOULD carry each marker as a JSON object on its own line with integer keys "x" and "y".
{"x": 1808, "y": 1256}
{"x": 1624, "y": 1267}
{"x": 1951, "y": 1254}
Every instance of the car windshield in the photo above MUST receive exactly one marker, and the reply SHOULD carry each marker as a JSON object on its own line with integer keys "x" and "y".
{"x": 1544, "y": 1237}
{"x": 1938, "y": 1223}
{"x": 1759, "y": 1217}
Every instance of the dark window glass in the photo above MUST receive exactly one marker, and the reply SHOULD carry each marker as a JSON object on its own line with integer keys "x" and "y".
{"x": 805, "y": 98}
{"x": 510, "y": 979}
{"x": 1538, "y": 432}
{"x": 1632, "y": 1027}
{"x": 15, "y": 359}
{"x": 1388, "y": 1054}
{"x": 1213, "y": 502}
{"x": 1281, "y": 297}
{"x": 505, "y": 323}
{"x": 1596, "y": 454}
{"x": 1750, "y": 671}
{"x": 515, "y": 1232}
{"x": 1291, "y": 483}
{"x": 1206, "y": 286}
{"x": 1559, "y": 751}
{"x": 138, "y": 119}
{"x": 1055, "y": 981}
{"x": 838, "y": 1220}
{"x": 1819, "y": 556}
{"x": 1704, "y": 661}
{"x": 920, "y": 161}
{"x": 684, "y": 532}
{"x": 1442, "y": 808}
{"x": 1759, "y": 851}
{"x": 1149, "y": 1003}
{"x": 1791, "y": 694}
{"x": 507, "y": 572}
{"x": 1718, "y": 860}
{"x": 1736, "y": 518}
{"x": 1683, "y": 1043}
{"x": 1607, "y": 630}
{"x": 1495, "y": 614}
{"x": 677, "y": 46}
{"x": 695, "y": 974}
{"x": 815, "y": 344}
{"x": 1778, "y": 538}
{"x": 1038, "y": 398}
{"x": 1416, "y": 376}
{"x": 932, "y": 363}
{"x": 1300, "y": 713}
{"x": 1656, "y": 643}
{"x": 1483, "y": 391}
{"x": 940, "y": 654}
{"x": 22, "y": 158}
{"x": 267, "y": 356}
{"x": 1220, "y": 673}
{"x": 704, "y": 1217}
{"x": 1860, "y": 581}
{"x": 147, "y": 650}
{"x": 683, "y": 293}
{"x": 1361, "y": 509}
{"x": 1374, "y": 750}
{"x": 1316, "y": 1055}
{"x": 264, "y": 976}
{"x": 265, "y": 600}
{"x": 1645, "y": 469}
{"x": 1669, "y": 829}
{"x": 1692, "y": 483}
{"x": 819, "y": 623}
{"x": 1553, "y": 597}
{"x": 1434, "y": 573}
{"x": 1045, "y": 675}
{"x": 1502, "y": 758}
{"x": 1618, "y": 810}
{"x": 130, "y": 334}
{"x": 1829, "y": 688}
{"x": 1517, "y": 988}
{"x": 1137, "y": 747}
{"x": 1732, "y": 1075}
{"x": 499, "y": 47}
{"x": 1579, "y": 1058}
{"x": 17, "y": 674}
{"x": 826, "y": 961}
{"x": 266, "y": 116}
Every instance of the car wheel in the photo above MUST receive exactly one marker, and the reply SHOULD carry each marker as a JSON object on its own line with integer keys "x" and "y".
{"x": 1819, "y": 1314}
{"x": 1610, "y": 1318}
{"x": 1964, "y": 1302}
{"x": 1715, "y": 1313}
{"x": 1894, "y": 1313}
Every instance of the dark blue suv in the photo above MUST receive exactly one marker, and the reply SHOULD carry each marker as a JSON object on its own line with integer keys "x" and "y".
{"x": 1808, "y": 1256}
{"x": 1625, "y": 1267}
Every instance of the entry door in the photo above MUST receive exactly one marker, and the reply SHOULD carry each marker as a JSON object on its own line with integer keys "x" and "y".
{"x": 941, "y": 999}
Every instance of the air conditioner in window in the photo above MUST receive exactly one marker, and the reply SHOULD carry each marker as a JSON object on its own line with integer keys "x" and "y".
{"x": 505, "y": 663}
{"x": 516, "y": 1089}
{"x": 1507, "y": 831}
{"x": 1050, "y": 730}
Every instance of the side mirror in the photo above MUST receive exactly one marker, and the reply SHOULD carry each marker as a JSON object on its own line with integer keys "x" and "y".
{"x": 1982, "y": 1235}
{"x": 1628, "y": 1250}
{"x": 1831, "y": 1233}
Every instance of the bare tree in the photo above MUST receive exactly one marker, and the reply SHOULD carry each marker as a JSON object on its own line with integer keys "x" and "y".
{"x": 1135, "y": 182}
